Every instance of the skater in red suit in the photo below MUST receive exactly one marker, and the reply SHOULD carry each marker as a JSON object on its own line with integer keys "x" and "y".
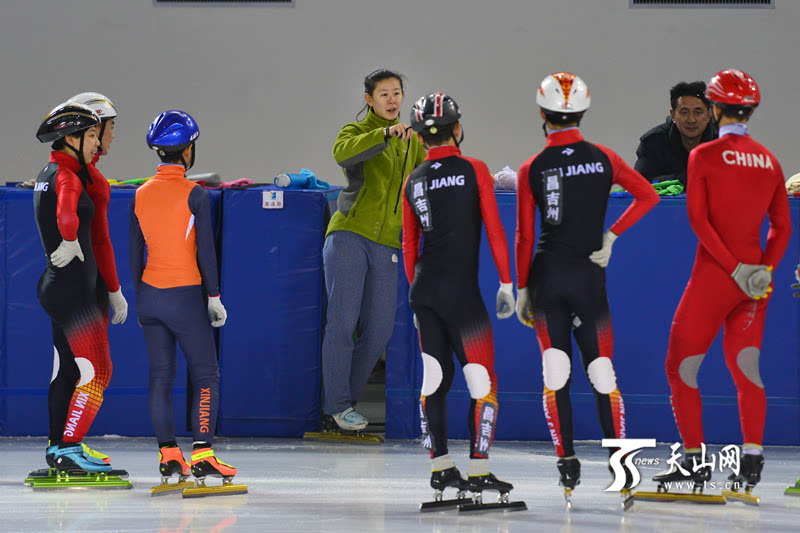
{"x": 733, "y": 183}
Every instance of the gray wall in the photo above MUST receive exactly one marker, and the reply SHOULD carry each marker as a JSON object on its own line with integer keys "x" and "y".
{"x": 270, "y": 87}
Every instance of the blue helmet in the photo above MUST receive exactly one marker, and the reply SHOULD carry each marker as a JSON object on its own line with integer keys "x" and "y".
{"x": 172, "y": 131}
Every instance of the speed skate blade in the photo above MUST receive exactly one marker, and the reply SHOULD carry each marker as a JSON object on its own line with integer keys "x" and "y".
{"x": 442, "y": 505}
{"x": 84, "y": 480}
{"x": 170, "y": 488}
{"x": 744, "y": 497}
{"x": 219, "y": 490}
{"x": 363, "y": 438}
{"x": 51, "y": 472}
{"x": 627, "y": 499}
{"x": 679, "y": 497}
{"x": 503, "y": 507}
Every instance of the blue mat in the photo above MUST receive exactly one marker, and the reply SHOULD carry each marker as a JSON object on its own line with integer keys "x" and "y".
{"x": 648, "y": 272}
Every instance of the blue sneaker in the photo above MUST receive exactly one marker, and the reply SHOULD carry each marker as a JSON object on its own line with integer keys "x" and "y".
{"x": 350, "y": 419}
{"x": 72, "y": 458}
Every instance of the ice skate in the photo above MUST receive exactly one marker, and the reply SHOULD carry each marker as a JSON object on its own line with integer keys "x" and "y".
{"x": 440, "y": 480}
{"x": 569, "y": 471}
{"x": 793, "y": 491}
{"x": 74, "y": 470}
{"x": 50, "y": 472}
{"x": 204, "y": 464}
{"x": 171, "y": 462}
{"x": 626, "y": 491}
{"x": 478, "y": 484}
{"x": 749, "y": 475}
{"x": 344, "y": 427}
{"x": 674, "y": 476}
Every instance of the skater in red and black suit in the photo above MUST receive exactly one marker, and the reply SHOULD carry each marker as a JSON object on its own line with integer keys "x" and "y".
{"x": 68, "y": 289}
{"x": 564, "y": 291}
{"x": 733, "y": 183}
{"x": 66, "y": 374}
{"x": 446, "y": 200}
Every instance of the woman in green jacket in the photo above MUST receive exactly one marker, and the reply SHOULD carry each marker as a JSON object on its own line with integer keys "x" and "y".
{"x": 362, "y": 244}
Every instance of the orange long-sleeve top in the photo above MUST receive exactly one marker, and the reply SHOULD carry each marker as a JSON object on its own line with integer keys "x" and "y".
{"x": 172, "y": 216}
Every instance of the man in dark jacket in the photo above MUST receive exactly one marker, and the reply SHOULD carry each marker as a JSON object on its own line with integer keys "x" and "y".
{"x": 663, "y": 151}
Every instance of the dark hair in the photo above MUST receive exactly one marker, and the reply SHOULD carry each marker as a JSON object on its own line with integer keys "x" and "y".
{"x": 443, "y": 133}
{"x": 563, "y": 119}
{"x": 58, "y": 144}
{"x": 171, "y": 157}
{"x": 372, "y": 79}
{"x": 695, "y": 88}
{"x": 737, "y": 111}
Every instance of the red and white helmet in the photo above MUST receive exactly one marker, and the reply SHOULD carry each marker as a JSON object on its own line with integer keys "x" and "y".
{"x": 733, "y": 87}
{"x": 563, "y": 92}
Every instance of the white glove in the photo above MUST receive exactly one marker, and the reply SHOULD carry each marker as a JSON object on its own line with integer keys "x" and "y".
{"x": 759, "y": 283}
{"x": 602, "y": 255}
{"x": 120, "y": 306}
{"x": 216, "y": 312}
{"x": 66, "y": 252}
{"x": 505, "y": 180}
{"x": 524, "y": 310}
{"x": 416, "y": 322}
{"x": 742, "y": 278}
{"x": 505, "y": 301}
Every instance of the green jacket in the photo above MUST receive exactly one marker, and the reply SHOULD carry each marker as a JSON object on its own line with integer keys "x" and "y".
{"x": 370, "y": 205}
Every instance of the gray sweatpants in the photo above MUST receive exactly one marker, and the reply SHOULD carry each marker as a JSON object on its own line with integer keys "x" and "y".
{"x": 361, "y": 280}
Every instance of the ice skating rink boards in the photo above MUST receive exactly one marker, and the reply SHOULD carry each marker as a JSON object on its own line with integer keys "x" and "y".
{"x": 272, "y": 286}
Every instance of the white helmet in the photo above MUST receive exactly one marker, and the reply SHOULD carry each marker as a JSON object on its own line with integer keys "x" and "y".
{"x": 98, "y": 103}
{"x": 563, "y": 92}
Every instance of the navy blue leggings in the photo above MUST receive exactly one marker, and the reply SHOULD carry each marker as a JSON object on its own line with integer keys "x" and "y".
{"x": 179, "y": 314}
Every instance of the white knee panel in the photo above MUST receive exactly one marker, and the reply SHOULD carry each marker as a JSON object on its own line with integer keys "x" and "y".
{"x": 56, "y": 364}
{"x": 602, "y": 376}
{"x": 431, "y": 374}
{"x": 87, "y": 370}
{"x": 556, "y": 368}
{"x": 478, "y": 380}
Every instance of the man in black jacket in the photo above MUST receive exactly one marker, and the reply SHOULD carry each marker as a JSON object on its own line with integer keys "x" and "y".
{"x": 663, "y": 151}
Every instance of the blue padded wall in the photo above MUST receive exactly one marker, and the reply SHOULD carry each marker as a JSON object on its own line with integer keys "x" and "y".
{"x": 272, "y": 288}
{"x": 27, "y": 353}
{"x": 648, "y": 272}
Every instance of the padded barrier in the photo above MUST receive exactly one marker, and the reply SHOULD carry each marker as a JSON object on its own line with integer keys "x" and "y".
{"x": 270, "y": 347}
{"x": 648, "y": 272}
{"x": 26, "y": 352}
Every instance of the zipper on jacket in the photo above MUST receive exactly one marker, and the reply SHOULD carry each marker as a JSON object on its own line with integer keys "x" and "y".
{"x": 402, "y": 176}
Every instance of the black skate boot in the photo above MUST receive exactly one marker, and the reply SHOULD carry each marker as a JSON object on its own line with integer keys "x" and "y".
{"x": 569, "y": 471}
{"x": 440, "y": 480}
{"x": 478, "y": 484}
{"x": 680, "y": 476}
{"x": 749, "y": 475}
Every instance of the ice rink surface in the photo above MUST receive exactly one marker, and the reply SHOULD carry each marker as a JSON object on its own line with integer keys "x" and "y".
{"x": 310, "y": 486}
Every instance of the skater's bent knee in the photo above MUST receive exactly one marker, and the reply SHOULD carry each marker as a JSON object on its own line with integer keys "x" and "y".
{"x": 602, "y": 376}
{"x": 689, "y": 368}
{"x": 431, "y": 374}
{"x": 747, "y": 361}
{"x": 556, "y": 368}
{"x": 478, "y": 380}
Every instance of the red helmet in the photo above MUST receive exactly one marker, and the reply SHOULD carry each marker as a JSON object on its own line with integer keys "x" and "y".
{"x": 733, "y": 87}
